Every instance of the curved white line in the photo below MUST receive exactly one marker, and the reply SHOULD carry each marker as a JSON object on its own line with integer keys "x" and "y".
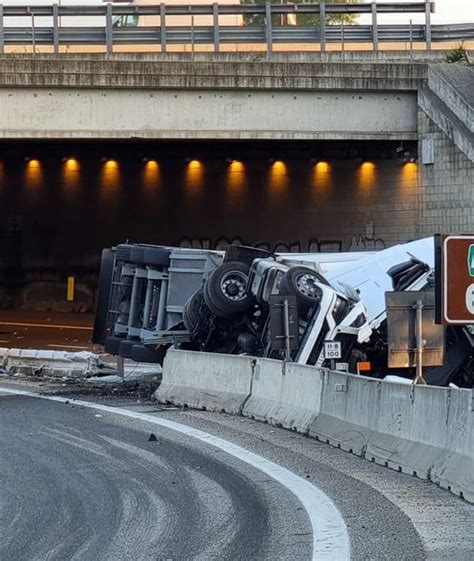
{"x": 330, "y": 535}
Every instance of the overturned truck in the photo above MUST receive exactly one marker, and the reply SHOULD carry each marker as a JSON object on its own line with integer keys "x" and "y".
{"x": 151, "y": 298}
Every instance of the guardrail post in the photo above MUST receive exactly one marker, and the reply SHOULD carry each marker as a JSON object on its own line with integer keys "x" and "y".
{"x": 109, "y": 30}
{"x": 2, "y": 33}
{"x": 163, "y": 27}
{"x": 343, "y": 49}
{"x": 428, "y": 24}
{"x": 33, "y": 34}
{"x": 55, "y": 29}
{"x": 268, "y": 28}
{"x": 322, "y": 24}
{"x": 375, "y": 29}
{"x": 215, "y": 21}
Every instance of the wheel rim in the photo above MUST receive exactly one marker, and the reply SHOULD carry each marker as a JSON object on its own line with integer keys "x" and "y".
{"x": 307, "y": 285}
{"x": 233, "y": 286}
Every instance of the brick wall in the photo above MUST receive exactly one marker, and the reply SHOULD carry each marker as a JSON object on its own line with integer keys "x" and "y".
{"x": 446, "y": 188}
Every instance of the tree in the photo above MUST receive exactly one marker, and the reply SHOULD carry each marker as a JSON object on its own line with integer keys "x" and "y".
{"x": 301, "y": 19}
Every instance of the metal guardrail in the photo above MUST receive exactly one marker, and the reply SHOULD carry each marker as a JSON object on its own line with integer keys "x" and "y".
{"x": 109, "y": 34}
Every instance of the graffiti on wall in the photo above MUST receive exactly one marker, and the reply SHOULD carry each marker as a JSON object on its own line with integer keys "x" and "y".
{"x": 363, "y": 241}
{"x": 367, "y": 240}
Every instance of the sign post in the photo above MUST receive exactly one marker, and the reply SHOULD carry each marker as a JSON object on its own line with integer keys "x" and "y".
{"x": 414, "y": 340}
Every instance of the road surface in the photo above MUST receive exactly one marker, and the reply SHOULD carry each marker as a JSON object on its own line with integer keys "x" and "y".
{"x": 88, "y": 484}
{"x": 46, "y": 330}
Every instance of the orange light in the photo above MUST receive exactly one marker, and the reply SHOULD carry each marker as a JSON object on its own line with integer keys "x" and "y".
{"x": 151, "y": 175}
{"x": 194, "y": 177}
{"x": 33, "y": 174}
{"x": 408, "y": 180}
{"x": 321, "y": 176}
{"x": 366, "y": 177}
{"x": 71, "y": 164}
{"x": 235, "y": 177}
{"x": 70, "y": 174}
{"x": 278, "y": 177}
{"x": 363, "y": 367}
{"x": 110, "y": 176}
{"x": 322, "y": 167}
{"x": 409, "y": 169}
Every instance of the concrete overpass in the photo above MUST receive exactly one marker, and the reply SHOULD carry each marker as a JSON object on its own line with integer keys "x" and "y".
{"x": 179, "y": 99}
{"x": 298, "y": 108}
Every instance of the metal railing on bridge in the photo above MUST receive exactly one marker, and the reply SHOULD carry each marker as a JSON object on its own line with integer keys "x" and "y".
{"x": 157, "y": 27}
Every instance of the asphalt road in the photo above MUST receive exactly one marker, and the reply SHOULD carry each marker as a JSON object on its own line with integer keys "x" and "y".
{"x": 87, "y": 484}
{"x": 45, "y": 330}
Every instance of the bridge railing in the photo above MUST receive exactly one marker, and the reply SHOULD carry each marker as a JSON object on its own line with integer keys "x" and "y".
{"x": 218, "y": 26}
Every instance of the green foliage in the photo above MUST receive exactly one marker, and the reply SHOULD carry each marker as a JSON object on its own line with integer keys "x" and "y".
{"x": 301, "y": 19}
{"x": 458, "y": 54}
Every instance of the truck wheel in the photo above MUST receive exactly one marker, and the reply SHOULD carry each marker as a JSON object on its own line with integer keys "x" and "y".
{"x": 225, "y": 292}
{"x": 112, "y": 345}
{"x": 302, "y": 282}
{"x": 123, "y": 252}
{"x": 191, "y": 310}
{"x": 137, "y": 254}
{"x": 126, "y": 345}
{"x": 140, "y": 353}
{"x": 157, "y": 256}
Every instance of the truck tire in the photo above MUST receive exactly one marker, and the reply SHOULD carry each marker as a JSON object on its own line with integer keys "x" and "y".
{"x": 157, "y": 256}
{"x": 123, "y": 252}
{"x": 137, "y": 255}
{"x": 191, "y": 310}
{"x": 302, "y": 283}
{"x": 225, "y": 292}
{"x": 126, "y": 346}
{"x": 140, "y": 353}
{"x": 112, "y": 345}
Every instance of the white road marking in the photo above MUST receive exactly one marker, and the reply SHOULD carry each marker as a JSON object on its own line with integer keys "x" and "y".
{"x": 330, "y": 535}
{"x": 50, "y": 325}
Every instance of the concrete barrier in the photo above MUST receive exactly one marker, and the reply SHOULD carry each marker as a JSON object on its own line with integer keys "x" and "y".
{"x": 31, "y": 362}
{"x": 285, "y": 394}
{"x": 454, "y": 470}
{"x": 348, "y": 412}
{"x": 421, "y": 430}
{"x": 206, "y": 381}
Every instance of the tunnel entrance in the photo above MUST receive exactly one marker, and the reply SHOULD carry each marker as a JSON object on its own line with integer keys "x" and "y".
{"x": 62, "y": 202}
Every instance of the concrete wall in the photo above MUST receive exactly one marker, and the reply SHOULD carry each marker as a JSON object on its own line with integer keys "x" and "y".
{"x": 196, "y": 114}
{"x": 446, "y": 197}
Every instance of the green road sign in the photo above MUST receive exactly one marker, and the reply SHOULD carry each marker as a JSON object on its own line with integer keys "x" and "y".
{"x": 470, "y": 260}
